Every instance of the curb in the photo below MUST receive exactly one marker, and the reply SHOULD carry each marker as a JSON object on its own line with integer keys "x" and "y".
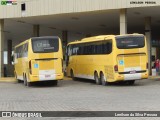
{"x": 7, "y": 79}
{"x": 154, "y": 77}
{"x": 67, "y": 78}
{"x": 12, "y": 79}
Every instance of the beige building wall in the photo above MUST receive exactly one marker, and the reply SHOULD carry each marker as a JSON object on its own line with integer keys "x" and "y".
{"x": 48, "y": 7}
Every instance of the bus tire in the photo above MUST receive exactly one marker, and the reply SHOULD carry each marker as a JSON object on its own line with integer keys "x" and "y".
{"x": 131, "y": 82}
{"x": 97, "y": 80}
{"x": 25, "y": 81}
{"x": 102, "y": 79}
{"x": 18, "y": 81}
{"x": 28, "y": 83}
{"x": 55, "y": 82}
{"x": 15, "y": 76}
{"x": 72, "y": 75}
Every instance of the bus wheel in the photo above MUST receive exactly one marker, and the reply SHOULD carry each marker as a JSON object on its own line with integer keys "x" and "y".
{"x": 28, "y": 84}
{"x": 18, "y": 81}
{"x": 130, "y": 82}
{"x": 102, "y": 79}
{"x": 55, "y": 82}
{"x": 72, "y": 75}
{"x": 25, "y": 81}
{"x": 98, "y": 82}
{"x": 15, "y": 76}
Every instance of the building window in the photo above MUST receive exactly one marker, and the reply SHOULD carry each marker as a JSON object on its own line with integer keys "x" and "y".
{"x": 5, "y": 57}
{"x": 5, "y": 53}
{"x": 23, "y": 6}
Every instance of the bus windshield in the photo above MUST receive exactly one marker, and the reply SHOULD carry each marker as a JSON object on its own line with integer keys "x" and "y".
{"x": 45, "y": 45}
{"x": 129, "y": 42}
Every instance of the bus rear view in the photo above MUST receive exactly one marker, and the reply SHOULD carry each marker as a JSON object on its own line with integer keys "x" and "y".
{"x": 131, "y": 58}
{"x": 42, "y": 62}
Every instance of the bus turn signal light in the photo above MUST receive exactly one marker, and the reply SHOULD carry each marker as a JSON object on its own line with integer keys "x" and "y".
{"x": 30, "y": 67}
{"x": 146, "y": 65}
{"x": 116, "y": 68}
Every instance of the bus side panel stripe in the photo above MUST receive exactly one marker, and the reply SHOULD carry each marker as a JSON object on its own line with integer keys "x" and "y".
{"x": 84, "y": 76}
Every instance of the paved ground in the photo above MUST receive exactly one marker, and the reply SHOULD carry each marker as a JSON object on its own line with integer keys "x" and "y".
{"x": 81, "y": 95}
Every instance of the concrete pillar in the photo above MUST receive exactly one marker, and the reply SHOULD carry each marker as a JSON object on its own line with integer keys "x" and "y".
{"x": 148, "y": 38}
{"x": 64, "y": 44}
{"x": 1, "y": 47}
{"x": 64, "y": 37}
{"x": 36, "y": 29}
{"x": 88, "y": 35}
{"x": 123, "y": 21}
{"x": 9, "y": 50}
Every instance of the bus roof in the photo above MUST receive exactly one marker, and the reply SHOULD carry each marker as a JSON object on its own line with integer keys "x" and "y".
{"x": 129, "y": 35}
{"x": 100, "y": 37}
{"x": 94, "y": 38}
{"x": 45, "y": 37}
{"x": 22, "y": 43}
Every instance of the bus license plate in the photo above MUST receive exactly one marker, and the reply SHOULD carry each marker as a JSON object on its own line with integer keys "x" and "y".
{"x": 47, "y": 76}
{"x": 132, "y": 72}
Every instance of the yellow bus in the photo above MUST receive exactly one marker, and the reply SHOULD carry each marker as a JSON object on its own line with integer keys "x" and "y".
{"x": 108, "y": 58}
{"x": 39, "y": 59}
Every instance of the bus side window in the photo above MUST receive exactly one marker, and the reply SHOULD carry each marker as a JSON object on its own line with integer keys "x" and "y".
{"x": 99, "y": 51}
{"x": 80, "y": 51}
{"x": 68, "y": 53}
{"x": 17, "y": 51}
{"x": 25, "y": 50}
{"x": 107, "y": 47}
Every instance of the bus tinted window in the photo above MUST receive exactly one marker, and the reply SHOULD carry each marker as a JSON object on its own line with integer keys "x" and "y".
{"x": 22, "y": 51}
{"x": 130, "y": 42}
{"x": 91, "y": 48}
{"x": 45, "y": 45}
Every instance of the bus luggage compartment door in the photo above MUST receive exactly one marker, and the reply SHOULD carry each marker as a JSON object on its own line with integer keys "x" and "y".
{"x": 132, "y": 65}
